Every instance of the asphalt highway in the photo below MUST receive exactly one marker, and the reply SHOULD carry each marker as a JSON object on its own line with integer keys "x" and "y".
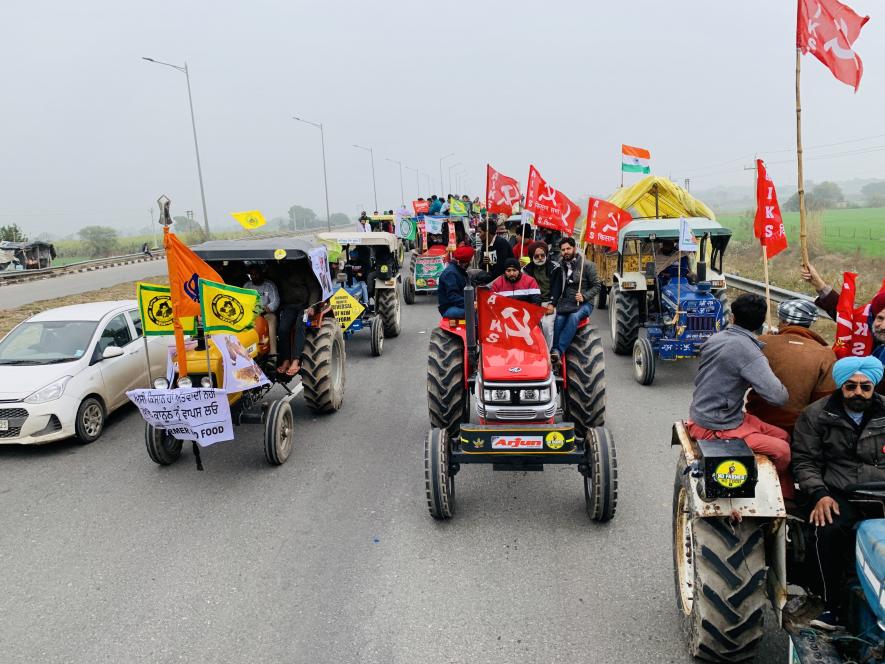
{"x": 332, "y": 557}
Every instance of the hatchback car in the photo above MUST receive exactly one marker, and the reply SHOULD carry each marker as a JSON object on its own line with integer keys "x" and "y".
{"x": 64, "y": 370}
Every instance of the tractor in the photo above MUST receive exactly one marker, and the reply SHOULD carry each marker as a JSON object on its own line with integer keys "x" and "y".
{"x": 646, "y": 284}
{"x": 528, "y": 416}
{"x": 431, "y": 255}
{"x": 738, "y": 546}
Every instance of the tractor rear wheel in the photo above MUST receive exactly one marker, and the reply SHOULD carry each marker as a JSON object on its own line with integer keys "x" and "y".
{"x": 409, "y": 290}
{"x": 585, "y": 374}
{"x": 387, "y": 304}
{"x": 624, "y": 318}
{"x": 439, "y": 481}
{"x": 322, "y": 370}
{"x": 377, "y": 330}
{"x": 643, "y": 361}
{"x": 719, "y": 570}
{"x": 601, "y": 480}
{"x": 446, "y": 395}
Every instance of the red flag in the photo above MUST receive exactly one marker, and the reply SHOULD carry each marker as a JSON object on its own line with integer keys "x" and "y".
{"x": 421, "y": 207}
{"x": 828, "y": 29}
{"x": 502, "y": 192}
{"x": 852, "y": 324}
{"x": 508, "y": 322}
{"x": 552, "y": 208}
{"x": 768, "y": 225}
{"x": 604, "y": 220}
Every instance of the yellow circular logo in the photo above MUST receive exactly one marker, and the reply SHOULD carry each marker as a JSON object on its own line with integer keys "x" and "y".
{"x": 730, "y": 474}
{"x": 279, "y": 254}
{"x": 383, "y": 269}
{"x": 227, "y": 309}
{"x": 159, "y": 310}
{"x": 554, "y": 440}
{"x": 421, "y": 282}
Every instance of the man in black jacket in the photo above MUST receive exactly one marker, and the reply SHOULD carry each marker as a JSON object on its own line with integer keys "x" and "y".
{"x": 499, "y": 250}
{"x": 839, "y": 441}
{"x": 572, "y": 300}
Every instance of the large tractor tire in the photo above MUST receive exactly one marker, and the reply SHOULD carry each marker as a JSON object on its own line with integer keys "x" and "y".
{"x": 388, "y": 306}
{"x": 719, "y": 571}
{"x": 585, "y": 375}
{"x": 162, "y": 447}
{"x": 409, "y": 290}
{"x": 322, "y": 370}
{"x": 601, "y": 480}
{"x": 722, "y": 296}
{"x": 439, "y": 482}
{"x": 446, "y": 394}
{"x": 624, "y": 318}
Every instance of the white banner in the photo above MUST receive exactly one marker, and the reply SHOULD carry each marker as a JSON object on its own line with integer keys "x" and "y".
{"x": 686, "y": 239}
{"x": 434, "y": 224}
{"x": 240, "y": 371}
{"x": 319, "y": 261}
{"x": 201, "y": 415}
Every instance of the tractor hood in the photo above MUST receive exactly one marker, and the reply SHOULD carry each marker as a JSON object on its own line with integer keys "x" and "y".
{"x": 515, "y": 364}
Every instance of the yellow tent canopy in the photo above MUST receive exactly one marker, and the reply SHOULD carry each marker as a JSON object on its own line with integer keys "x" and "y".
{"x": 672, "y": 200}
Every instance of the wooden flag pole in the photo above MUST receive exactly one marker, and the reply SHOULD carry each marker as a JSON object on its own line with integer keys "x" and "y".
{"x": 803, "y": 228}
{"x": 767, "y": 287}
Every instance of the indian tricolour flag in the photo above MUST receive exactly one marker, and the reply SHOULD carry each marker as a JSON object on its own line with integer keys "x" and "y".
{"x": 634, "y": 160}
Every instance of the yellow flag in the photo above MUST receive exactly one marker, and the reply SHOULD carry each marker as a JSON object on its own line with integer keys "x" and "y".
{"x": 155, "y": 304}
{"x": 249, "y": 220}
{"x": 226, "y": 308}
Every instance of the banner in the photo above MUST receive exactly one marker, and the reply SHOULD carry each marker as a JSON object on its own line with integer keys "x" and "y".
{"x": 345, "y": 307}
{"x": 502, "y": 192}
{"x": 552, "y": 208}
{"x": 404, "y": 225}
{"x": 508, "y": 322}
{"x": 319, "y": 262}
{"x": 828, "y": 29}
{"x": 457, "y": 208}
{"x": 155, "y": 304}
{"x": 249, "y": 220}
{"x": 453, "y": 238}
{"x": 433, "y": 225}
{"x": 853, "y": 336}
{"x": 201, "y": 415}
{"x": 226, "y": 308}
{"x": 768, "y": 226}
{"x": 240, "y": 371}
{"x": 427, "y": 271}
{"x": 185, "y": 271}
{"x": 421, "y": 206}
{"x": 604, "y": 221}
{"x": 687, "y": 241}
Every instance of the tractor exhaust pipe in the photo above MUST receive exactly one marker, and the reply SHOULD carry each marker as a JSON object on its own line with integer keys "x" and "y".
{"x": 470, "y": 322}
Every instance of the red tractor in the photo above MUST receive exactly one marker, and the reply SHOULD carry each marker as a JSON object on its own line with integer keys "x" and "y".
{"x": 528, "y": 414}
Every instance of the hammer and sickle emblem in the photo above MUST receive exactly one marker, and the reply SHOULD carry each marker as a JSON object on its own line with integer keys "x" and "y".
{"x": 522, "y": 329}
{"x": 548, "y": 195}
{"x": 508, "y": 195}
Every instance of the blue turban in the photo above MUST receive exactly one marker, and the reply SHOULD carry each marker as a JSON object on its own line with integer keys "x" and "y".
{"x": 869, "y": 366}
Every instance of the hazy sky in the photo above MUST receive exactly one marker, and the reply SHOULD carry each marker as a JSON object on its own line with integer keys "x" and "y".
{"x": 93, "y": 134}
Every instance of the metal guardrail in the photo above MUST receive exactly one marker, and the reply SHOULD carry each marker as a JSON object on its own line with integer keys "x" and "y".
{"x": 758, "y": 288}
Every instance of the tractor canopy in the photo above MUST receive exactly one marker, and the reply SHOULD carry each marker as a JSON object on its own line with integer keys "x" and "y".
{"x": 659, "y": 198}
{"x": 359, "y": 239}
{"x": 660, "y": 229}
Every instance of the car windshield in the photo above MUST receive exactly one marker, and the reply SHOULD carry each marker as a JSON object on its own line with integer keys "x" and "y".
{"x": 47, "y": 342}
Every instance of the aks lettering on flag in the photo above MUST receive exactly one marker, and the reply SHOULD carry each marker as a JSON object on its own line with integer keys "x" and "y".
{"x": 511, "y": 323}
{"x": 852, "y": 323}
{"x": 635, "y": 160}
{"x": 828, "y": 30}
{"x": 226, "y": 308}
{"x": 457, "y": 208}
{"x": 185, "y": 271}
{"x": 768, "y": 225}
{"x": 421, "y": 207}
{"x": 155, "y": 305}
{"x": 249, "y": 220}
{"x": 502, "y": 192}
{"x": 687, "y": 241}
{"x": 604, "y": 220}
{"x": 552, "y": 208}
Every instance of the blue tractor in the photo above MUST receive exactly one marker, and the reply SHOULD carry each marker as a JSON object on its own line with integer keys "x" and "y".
{"x": 678, "y": 297}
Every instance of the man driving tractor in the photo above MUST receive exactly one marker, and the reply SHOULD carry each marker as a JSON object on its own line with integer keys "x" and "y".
{"x": 452, "y": 281}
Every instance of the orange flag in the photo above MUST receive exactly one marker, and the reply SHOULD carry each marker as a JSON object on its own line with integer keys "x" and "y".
{"x": 185, "y": 271}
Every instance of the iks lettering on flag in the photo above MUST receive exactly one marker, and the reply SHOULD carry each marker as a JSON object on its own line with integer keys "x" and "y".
{"x": 604, "y": 220}
{"x": 852, "y": 323}
{"x": 768, "y": 226}
{"x": 828, "y": 30}
{"x": 511, "y": 323}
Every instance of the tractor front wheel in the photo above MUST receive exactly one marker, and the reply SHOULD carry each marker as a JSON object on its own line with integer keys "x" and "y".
{"x": 624, "y": 318}
{"x": 643, "y": 362}
{"x": 601, "y": 480}
{"x": 162, "y": 447}
{"x": 409, "y": 290}
{"x": 377, "y": 329}
{"x": 278, "y": 431}
{"x": 446, "y": 394}
{"x": 438, "y": 478}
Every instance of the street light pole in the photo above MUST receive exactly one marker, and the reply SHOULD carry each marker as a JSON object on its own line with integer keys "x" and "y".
{"x": 374, "y": 186}
{"x": 319, "y": 125}
{"x": 450, "y": 175}
{"x": 401, "y": 191}
{"x": 442, "y": 185}
{"x": 190, "y": 99}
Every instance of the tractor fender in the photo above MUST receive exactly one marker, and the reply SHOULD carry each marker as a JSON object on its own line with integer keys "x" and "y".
{"x": 768, "y": 502}
{"x": 625, "y": 279}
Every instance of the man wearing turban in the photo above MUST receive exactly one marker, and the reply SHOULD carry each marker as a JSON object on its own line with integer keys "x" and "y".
{"x": 839, "y": 441}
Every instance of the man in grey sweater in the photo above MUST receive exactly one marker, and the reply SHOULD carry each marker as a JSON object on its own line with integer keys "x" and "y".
{"x": 731, "y": 362}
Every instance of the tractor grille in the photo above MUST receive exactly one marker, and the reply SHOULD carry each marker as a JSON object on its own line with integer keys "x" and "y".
{"x": 701, "y": 324}
{"x": 16, "y": 418}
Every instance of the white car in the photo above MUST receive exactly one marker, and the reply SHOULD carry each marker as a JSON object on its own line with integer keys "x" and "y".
{"x": 64, "y": 370}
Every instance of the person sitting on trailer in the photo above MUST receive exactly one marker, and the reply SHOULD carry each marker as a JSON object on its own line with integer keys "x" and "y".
{"x": 452, "y": 281}
{"x": 837, "y": 442}
{"x": 516, "y": 284}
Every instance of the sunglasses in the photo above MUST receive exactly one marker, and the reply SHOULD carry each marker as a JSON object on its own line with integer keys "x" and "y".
{"x": 852, "y": 386}
{"x": 540, "y": 255}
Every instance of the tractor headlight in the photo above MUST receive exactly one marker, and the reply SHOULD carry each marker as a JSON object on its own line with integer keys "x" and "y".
{"x": 185, "y": 382}
{"x": 717, "y": 283}
{"x": 496, "y": 396}
{"x": 206, "y": 382}
{"x": 628, "y": 285}
{"x": 161, "y": 383}
{"x": 540, "y": 395}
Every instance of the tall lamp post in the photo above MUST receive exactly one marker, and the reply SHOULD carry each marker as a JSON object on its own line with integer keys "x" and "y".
{"x": 190, "y": 100}
{"x": 429, "y": 183}
{"x": 455, "y": 165}
{"x": 319, "y": 125}
{"x": 374, "y": 186}
{"x": 442, "y": 185}
{"x": 417, "y": 183}
{"x": 401, "y": 191}
{"x": 458, "y": 180}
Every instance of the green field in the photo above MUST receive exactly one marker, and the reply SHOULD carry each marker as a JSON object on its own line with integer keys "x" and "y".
{"x": 850, "y": 231}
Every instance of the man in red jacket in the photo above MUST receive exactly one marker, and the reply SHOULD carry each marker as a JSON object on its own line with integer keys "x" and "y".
{"x": 516, "y": 284}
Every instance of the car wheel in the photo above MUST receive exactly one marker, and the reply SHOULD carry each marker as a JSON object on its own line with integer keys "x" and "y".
{"x": 90, "y": 420}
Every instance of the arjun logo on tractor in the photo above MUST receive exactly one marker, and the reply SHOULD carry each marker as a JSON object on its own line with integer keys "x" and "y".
{"x": 517, "y": 442}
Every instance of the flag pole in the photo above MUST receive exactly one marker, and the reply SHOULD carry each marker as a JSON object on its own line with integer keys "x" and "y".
{"x": 803, "y": 229}
{"x": 176, "y": 321}
{"x": 767, "y": 287}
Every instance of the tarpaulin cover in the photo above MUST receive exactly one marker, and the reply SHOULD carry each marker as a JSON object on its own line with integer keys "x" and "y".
{"x": 673, "y": 201}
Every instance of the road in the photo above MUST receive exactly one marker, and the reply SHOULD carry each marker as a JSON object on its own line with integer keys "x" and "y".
{"x": 332, "y": 557}
{"x": 77, "y": 282}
